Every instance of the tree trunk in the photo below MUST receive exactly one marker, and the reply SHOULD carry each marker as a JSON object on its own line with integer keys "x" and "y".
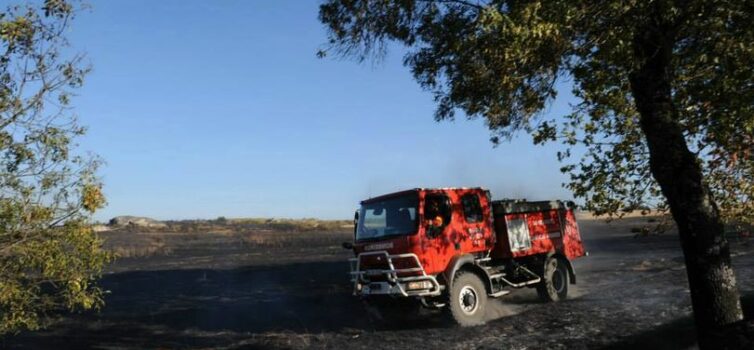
{"x": 714, "y": 295}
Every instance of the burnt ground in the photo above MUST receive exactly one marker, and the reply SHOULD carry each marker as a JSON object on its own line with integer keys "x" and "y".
{"x": 216, "y": 291}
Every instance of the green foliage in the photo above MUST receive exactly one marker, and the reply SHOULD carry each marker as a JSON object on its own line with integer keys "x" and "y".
{"x": 49, "y": 256}
{"x": 500, "y": 60}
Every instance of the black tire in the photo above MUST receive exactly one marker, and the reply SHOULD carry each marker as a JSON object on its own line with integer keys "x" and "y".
{"x": 554, "y": 285}
{"x": 467, "y": 299}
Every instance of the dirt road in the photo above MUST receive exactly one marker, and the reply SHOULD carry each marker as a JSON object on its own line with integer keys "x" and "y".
{"x": 214, "y": 292}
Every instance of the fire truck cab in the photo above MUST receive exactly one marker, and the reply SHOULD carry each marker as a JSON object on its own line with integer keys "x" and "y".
{"x": 453, "y": 248}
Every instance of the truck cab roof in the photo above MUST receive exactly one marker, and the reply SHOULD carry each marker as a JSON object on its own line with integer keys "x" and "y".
{"x": 418, "y": 189}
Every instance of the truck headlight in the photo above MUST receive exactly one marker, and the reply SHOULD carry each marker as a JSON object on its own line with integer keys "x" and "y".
{"x": 419, "y": 285}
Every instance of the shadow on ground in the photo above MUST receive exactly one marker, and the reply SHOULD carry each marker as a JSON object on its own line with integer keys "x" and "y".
{"x": 255, "y": 299}
{"x": 203, "y": 307}
{"x": 679, "y": 334}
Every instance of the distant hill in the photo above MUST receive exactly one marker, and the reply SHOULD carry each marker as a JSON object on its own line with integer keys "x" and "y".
{"x": 138, "y": 221}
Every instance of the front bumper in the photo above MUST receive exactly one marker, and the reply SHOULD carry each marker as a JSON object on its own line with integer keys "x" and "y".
{"x": 365, "y": 281}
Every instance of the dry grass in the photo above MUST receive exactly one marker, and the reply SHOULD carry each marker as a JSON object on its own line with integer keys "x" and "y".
{"x": 254, "y": 234}
{"x": 246, "y": 224}
{"x": 299, "y": 225}
{"x": 136, "y": 245}
{"x": 587, "y": 215}
{"x": 272, "y": 239}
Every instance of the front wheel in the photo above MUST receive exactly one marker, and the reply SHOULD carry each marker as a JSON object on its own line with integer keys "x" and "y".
{"x": 467, "y": 299}
{"x": 554, "y": 285}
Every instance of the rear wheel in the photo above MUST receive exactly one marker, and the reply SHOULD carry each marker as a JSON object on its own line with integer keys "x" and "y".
{"x": 554, "y": 285}
{"x": 467, "y": 299}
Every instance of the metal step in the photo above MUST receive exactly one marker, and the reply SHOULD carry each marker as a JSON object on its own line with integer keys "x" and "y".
{"x": 522, "y": 284}
{"x": 499, "y": 294}
{"x": 496, "y": 276}
{"x": 494, "y": 268}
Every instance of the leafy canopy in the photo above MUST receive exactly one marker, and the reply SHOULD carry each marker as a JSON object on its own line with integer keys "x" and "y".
{"x": 49, "y": 256}
{"x": 500, "y": 60}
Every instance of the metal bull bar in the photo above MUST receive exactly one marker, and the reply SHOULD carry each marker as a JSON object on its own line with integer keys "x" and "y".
{"x": 394, "y": 284}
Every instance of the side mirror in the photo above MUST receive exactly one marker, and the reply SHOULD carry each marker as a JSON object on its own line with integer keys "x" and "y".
{"x": 355, "y": 224}
{"x": 347, "y": 245}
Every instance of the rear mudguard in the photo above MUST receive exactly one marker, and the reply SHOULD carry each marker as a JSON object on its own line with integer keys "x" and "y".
{"x": 571, "y": 272}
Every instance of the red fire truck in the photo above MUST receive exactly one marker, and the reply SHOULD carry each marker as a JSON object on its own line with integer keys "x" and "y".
{"x": 454, "y": 248}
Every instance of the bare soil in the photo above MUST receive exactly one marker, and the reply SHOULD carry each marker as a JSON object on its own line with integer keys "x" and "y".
{"x": 260, "y": 290}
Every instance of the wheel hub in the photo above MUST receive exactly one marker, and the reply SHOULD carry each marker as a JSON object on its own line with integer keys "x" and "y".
{"x": 468, "y": 299}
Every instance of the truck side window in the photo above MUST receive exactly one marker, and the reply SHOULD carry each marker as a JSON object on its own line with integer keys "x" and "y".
{"x": 472, "y": 209}
{"x": 436, "y": 213}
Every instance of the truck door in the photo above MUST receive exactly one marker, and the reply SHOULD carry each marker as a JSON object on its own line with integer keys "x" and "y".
{"x": 476, "y": 235}
{"x": 438, "y": 224}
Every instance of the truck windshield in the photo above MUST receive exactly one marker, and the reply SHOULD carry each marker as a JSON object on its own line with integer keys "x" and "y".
{"x": 389, "y": 217}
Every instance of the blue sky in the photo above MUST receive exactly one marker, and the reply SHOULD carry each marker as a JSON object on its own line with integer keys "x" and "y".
{"x": 220, "y": 108}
